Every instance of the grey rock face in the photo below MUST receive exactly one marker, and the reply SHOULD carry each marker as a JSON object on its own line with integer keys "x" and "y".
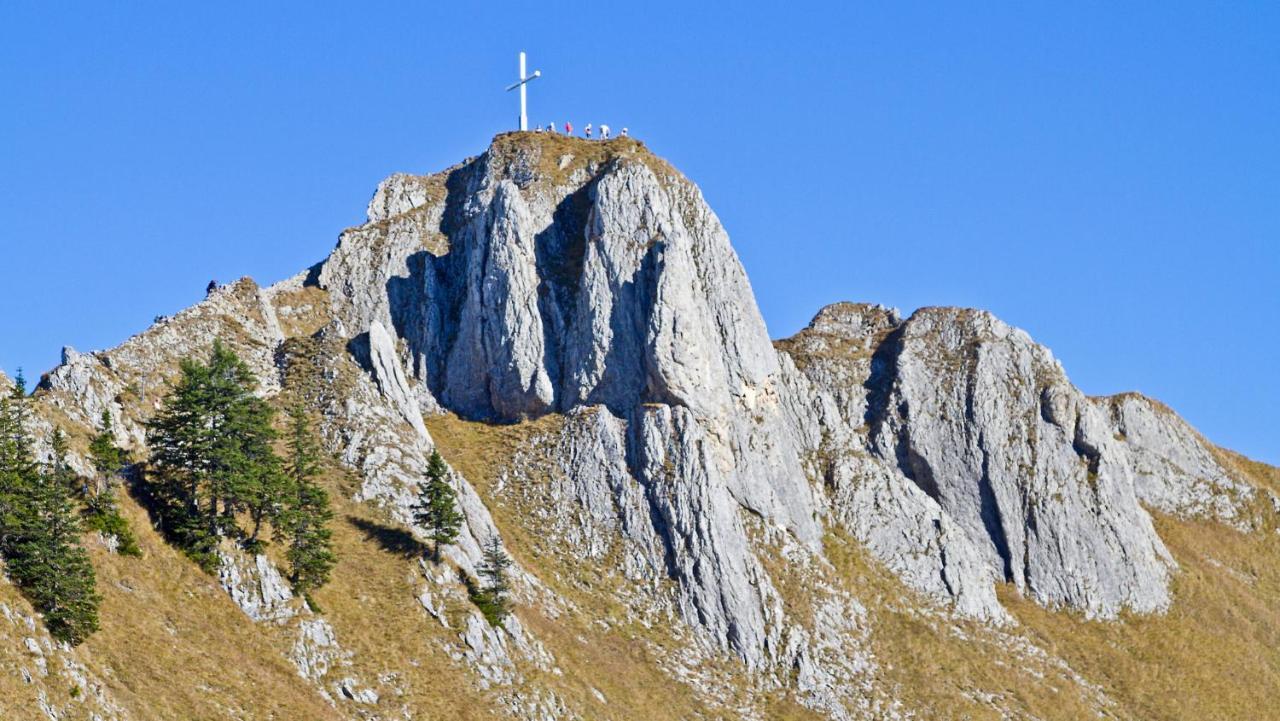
{"x": 389, "y": 374}
{"x": 608, "y": 507}
{"x": 615, "y": 286}
{"x": 1173, "y": 467}
{"x": 950, "y": 444}
{"x": 959, "y": 453}
{"x": 257, "y": 587}
{"x": 724, "y": 588}
{"x": 868, "y": 495}
{"x": 986, "y": 423}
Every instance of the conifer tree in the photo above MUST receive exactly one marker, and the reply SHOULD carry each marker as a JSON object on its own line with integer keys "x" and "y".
{"x": 39, "y": 533}
{"x": 436, "y": 509}
{"x": 49, "y": 564}
{"x": 212, "y": 456}
{"x": 107, "y": 458}
{"x": 18, "y": 470}
{"x": 304, "y": 518}
{"x": 182, "y": 464}
{"x": 493, "y": 598}
{"x": 101, "y": 512}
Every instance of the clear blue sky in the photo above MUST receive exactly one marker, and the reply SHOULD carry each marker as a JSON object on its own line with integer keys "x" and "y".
{"x": 1106, "y": 177}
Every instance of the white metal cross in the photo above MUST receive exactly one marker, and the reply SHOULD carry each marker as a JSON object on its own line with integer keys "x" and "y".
{"x": 524, "y": 116}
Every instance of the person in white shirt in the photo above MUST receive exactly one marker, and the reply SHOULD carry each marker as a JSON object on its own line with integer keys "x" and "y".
{"x": 623, "y": 133}
{"x": 604, "y": 131}
{"x": 587, "y": 131}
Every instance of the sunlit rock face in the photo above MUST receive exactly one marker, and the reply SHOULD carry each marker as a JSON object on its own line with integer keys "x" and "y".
{"x": 605, "y": 281}
{"x": 587, "y": 288}
{"x": 984, "y": 421}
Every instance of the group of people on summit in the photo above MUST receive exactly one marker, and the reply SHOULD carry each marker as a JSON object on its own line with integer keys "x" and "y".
{"x": 586, "y": 130}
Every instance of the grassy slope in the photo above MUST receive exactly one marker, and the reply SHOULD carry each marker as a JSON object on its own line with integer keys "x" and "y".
{"x": 1216, "y": 653}
{"x": 174, "y": 646}
{"x": 372, "y": 604}
{"x": 944, "y": 668}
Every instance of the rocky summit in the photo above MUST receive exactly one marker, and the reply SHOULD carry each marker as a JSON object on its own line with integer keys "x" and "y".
{"x": 877, "y": 518}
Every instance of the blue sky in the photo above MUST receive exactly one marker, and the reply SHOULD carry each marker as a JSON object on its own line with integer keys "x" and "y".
{"x": 1104, "y": 175}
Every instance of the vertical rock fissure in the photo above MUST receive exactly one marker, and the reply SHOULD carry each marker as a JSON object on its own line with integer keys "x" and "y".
{"x": 991, "y": 513}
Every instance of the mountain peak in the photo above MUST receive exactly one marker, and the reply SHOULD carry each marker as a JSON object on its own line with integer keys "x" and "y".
{"x": 566, "y": 321}
{"x": 549, "y": 162}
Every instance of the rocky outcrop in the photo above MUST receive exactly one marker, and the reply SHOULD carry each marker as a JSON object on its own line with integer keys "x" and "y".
{"x": 950, "y": 444}
{"x": 868, "y": 495}
{"x": 131, "y": 379}
{"x": 256, "y": 586}
{"x": 389, "y": 374}
{"x": 956, "y": 449}
{"x": 704, "y": 466}
{"x": 610, "y": 284}
{"x": 1174, "y": 469}
{"x": 723, "y": 587}
{"x": 62, "y": 685}
{"x": 1023, "y": 480}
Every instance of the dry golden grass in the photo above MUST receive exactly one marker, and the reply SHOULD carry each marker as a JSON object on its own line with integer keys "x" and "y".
{"x": 582, "y": 153}
{"x": 302, "y": 311}
{"x": 943, "y": 668}
{"x": 17, "y": 697}
{"x": 174, "y": 646}
{"x": 372, "y": 604}
{"x": 164, "y": 619}
{"x": 1214, "y": 655}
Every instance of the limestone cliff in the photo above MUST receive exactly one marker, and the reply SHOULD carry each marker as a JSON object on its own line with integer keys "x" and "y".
{"x": 567, "y": 321}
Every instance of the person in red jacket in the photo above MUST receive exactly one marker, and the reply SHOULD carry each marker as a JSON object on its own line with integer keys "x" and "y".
{"x": 568, "y": 128}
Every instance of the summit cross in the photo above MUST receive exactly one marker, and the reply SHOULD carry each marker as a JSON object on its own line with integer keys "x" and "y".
{"x": 524, "y": 116}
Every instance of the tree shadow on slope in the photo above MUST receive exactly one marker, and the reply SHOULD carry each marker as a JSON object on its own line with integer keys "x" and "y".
{"x": 397, "y": 541}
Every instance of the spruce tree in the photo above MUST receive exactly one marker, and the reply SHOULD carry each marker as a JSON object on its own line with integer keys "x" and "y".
{"x": 39, "y": 533}
{"x": 107, "y": 458}
{"x": 246, "y": 474}
{"x": 212, "y": 457}
{"x": 182, "y": 464}
{"x": 303, "y": 521}
{"x": 50, "y": 564}
{"x": 493, "y": 597}
{"x": 18, "y": 470}
{"x": 436, "y": 509}
{"x": 101, "y": 512}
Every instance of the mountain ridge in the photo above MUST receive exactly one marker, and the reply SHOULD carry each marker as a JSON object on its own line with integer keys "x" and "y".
{"x": 577, "y": 305}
